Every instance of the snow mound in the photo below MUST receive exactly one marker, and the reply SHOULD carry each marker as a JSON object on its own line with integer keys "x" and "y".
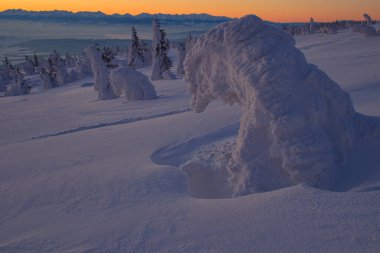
{"x": 132, "y": 83}
{"x": 297, "y": 125}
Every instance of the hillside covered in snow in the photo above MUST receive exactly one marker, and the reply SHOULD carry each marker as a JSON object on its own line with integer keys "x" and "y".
{"x": 79, "y": 174}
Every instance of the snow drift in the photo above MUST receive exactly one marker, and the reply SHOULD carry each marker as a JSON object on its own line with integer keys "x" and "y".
{"x": 297, "y": 125}
{"x": 132, "y": 83}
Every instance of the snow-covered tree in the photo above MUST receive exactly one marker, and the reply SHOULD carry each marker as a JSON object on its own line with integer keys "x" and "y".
{"x": 49, "y": 76}
{"x": 160, "y": 47}
{"x": 135, "y": 51}
{"x": 368, "y": 19}
{"x": 82, "y": 67}
{"x": 297, "y": 125}
{"x": 8, "y": 68}
{"x": 28, "y": 66}
{"x": 19, "y": 87}
{"x": 311, "y": 26}
{"x": 366, "y": 29}
{"x": 133, "y": 84}
{"x": 70, "y": 60}
{"x": 181, "y": 54}
{"x": 62, "y": 76}
{"x": 101, "y": 63}
{"x": 2, "y": 84}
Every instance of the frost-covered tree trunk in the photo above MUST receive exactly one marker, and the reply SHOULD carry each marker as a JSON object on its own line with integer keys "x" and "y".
{"x": 297, "y": 125}
{"x": 135, "y": 51}
{"x": 133, "y": 84}
{"x": 101, "y": 73}
{"x": 160, "y": 47}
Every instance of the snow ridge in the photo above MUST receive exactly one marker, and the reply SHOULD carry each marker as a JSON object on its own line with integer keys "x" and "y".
{"x": 112, "y": 123}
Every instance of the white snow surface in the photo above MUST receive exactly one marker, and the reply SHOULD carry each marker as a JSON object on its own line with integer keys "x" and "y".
{"x": 84, "y": 175}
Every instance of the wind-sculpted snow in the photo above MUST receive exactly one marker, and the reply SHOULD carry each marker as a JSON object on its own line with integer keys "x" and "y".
{"x": 133, "y": 84}
{"x": 297, "y": 125}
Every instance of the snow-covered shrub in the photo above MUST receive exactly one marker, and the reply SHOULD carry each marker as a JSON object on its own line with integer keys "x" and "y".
{"x": 101, "y": 73}
{"x": 297, "y": 125}
{"x": 19, "y": 87}
{"x": 160, "y": 47}
{"x": 133, "y": 84}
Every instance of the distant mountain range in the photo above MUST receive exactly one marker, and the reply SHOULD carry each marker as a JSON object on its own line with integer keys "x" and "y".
{"x": 100, "y": 17}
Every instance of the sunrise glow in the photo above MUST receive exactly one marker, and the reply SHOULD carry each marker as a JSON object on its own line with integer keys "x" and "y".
{"x": 274, "y": 10}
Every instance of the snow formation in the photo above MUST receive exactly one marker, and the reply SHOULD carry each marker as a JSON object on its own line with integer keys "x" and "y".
{"x": 101, "y": 74}
{"x": 133, "y": 84}
{"x": 297, "y": 125}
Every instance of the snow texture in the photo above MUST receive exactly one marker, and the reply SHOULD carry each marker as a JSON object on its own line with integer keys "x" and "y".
{"x": 101, "y": 74}
{"x": 297, "y": 125}
{"x": 131, "y": 83}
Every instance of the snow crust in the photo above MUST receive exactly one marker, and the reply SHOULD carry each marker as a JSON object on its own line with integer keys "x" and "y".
{"x": 297, "y": 125}
{"x": 133, "y": 84}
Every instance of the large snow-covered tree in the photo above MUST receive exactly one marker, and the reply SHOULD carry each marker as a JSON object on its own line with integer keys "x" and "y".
{"x": 297, "y": 125}
{"x": 160, "y": 47}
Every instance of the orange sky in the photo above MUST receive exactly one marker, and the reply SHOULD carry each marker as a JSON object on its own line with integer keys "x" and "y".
{"x": 274, "y": 10}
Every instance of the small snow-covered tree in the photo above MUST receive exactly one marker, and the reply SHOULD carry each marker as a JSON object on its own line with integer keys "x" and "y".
{"x": 83, "y": 66}
{"x": 101, "y": 63}
{"x": 311, "y": 26}
{"x": 181, "y": 54}
{"x": 60, "y": 66}
{"x": 135, "y": 51}
{"x": 28, "y": 66}
{"x": 7, "y": 66}
{"x": 19, "y": 87}
{"x": 161, "y": 60}
{"x": 368, "y": 19}
{"x": 2, "y": 84}
{"x": 49, "y": 76}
